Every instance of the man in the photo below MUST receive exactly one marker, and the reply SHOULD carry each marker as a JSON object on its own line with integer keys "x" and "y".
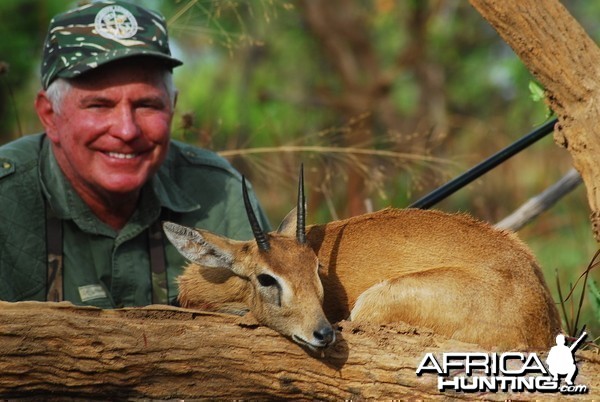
{"x": 82, "y": 203}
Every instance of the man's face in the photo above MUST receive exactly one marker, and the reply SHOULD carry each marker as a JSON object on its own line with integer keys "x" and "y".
{"x": 112, "y": 130}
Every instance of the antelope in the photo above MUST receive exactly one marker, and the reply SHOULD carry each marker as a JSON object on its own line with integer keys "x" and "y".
{"x": 450, "y": 273}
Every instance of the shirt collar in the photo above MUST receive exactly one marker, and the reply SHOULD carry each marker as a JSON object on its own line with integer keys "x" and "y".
{"x": 170, "y": 194}
{"x": 59, "y": 193}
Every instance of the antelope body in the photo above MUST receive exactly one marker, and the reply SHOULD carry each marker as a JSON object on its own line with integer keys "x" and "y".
{"x": 448, "y": 272}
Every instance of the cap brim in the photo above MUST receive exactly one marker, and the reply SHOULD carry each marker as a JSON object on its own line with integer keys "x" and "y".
{"x": 93, "y": 63}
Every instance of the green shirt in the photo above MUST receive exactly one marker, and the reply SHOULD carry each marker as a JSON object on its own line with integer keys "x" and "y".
{"x": 103, "y": 267}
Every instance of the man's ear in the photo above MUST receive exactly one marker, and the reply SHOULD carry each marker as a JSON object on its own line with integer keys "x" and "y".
{"x": 46, "y": 114}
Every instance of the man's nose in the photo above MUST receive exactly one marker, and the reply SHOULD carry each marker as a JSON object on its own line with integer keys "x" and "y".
{"x": 124, "y": 124}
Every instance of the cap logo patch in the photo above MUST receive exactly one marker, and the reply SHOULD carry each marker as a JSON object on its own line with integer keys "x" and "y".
{"x": 115, "y": 22}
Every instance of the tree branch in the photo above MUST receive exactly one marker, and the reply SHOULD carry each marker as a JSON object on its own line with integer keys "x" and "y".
{"x": 558, "y": 52}
{"x": 542, "y": 202}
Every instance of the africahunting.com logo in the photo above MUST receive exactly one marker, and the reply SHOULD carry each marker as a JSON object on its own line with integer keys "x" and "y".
{"x": 507, "y": 372}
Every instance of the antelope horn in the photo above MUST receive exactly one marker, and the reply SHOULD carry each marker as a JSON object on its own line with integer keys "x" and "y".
{"x": 301, "y": 210}
{"x": 259, "y": 235}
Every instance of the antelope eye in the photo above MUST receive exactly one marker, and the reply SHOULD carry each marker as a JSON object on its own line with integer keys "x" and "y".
{"x": 266, "y": 280}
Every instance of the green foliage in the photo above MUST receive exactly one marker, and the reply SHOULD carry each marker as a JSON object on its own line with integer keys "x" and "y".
{"x": 572, "y": 307}
{"x": 594, "y": 296}
{"x": 23, "y": 34}
{"x": 536, "y": 91}
{"x": 538, "y": 95}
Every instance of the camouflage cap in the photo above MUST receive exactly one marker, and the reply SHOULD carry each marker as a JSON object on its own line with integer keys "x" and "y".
{"x": 89, "y": 36}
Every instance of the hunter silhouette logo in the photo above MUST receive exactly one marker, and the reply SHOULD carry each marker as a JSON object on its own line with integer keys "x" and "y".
{"x": 561, "y": 358}
{"x": 507, "y": 372}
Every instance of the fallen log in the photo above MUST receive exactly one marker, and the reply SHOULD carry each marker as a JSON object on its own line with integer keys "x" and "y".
{"x": 161, "y": 352}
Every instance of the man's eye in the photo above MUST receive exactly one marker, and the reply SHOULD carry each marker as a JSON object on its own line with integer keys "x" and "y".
{"x": 96, "y": 106}
{"x": 152, "y": 104}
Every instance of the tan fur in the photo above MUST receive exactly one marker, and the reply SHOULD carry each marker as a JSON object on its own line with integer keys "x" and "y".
{"x": 448, "y": 272}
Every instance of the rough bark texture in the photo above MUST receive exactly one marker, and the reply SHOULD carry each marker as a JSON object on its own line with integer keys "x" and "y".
{"x": 160, "y": 352}
{"x": 558, "y": 52}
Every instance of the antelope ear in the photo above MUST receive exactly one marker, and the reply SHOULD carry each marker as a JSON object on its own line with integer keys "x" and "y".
{"x": 288, "y": 225}
{"x": 201, "y": 247}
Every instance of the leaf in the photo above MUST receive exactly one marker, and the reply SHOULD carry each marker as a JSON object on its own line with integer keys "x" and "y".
{"x": 536, "y": 91}
{"x": 537, "y": 94}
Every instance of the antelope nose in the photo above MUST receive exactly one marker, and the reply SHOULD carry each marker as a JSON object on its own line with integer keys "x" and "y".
{"x": 325, "y": 335}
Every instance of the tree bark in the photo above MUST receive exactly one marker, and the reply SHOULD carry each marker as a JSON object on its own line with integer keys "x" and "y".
{"x": 161, "y": 352}
{"x": 565, "y": 60}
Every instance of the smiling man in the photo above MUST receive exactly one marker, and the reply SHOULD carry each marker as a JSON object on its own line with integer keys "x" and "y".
{"x": 82, "y": 203}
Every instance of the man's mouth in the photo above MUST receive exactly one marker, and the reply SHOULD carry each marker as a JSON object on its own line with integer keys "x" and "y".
{"x": 119, "y": 155}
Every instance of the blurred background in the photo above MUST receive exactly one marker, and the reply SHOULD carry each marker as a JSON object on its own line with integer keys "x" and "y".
{"x": 382, "y": 100}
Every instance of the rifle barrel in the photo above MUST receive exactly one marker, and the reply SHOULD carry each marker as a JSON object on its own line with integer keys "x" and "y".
{"x": 479, "y": 170}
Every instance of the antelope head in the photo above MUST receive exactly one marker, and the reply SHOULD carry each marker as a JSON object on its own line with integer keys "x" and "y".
{"x": 278, "y": 271}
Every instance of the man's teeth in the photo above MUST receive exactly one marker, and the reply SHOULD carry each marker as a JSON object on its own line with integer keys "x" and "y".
{"x": 121, "y": 156}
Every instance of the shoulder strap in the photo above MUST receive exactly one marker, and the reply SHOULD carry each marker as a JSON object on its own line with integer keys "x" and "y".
{"x": 54, "y": 251}
{"x": 160, "y": 282}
